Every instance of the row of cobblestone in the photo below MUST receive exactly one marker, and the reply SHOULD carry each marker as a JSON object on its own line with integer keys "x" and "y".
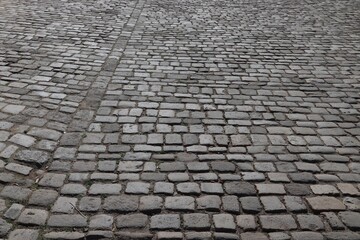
{"x": 176, "y": 119}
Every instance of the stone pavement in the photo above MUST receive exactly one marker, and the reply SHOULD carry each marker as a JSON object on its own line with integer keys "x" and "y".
{"x": 169, "y": 119}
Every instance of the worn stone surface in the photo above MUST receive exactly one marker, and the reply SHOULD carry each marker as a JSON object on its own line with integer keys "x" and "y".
{"x": 277, "y": 222}
{"x": 4, "y": 227}
{"x": 33, "y": 217}
{"x": 165, "y": 221}
{"x": 351, "y": 219}
{"x": 325, "y": 203}
{"x": 20, "y": 234}
{"x": 64, "y": 220}
{"x": 174, "y": 119}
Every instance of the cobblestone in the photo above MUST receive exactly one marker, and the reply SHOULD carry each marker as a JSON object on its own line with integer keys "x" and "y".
{"x": 33, "y": 217}
{"x": 165, "y": 221}
{"x": 179, "y": 120}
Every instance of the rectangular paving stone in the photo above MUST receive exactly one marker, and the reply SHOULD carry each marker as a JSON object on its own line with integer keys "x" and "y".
{"x": 277, "y": 222}
{"x": 165, "y": 221}
{"x": 325, "y": 204}
{"x": 33, "y": 217}
{"x": 123, "y": 203}
{"x": 67, "y": 220}
{"x": 137, "y": 220}
{"x": 180, "y": 203}
{"x": 22, "y": 140}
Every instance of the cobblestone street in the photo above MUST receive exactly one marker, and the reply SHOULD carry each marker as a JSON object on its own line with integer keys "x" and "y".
{"x": 180, "y": 119}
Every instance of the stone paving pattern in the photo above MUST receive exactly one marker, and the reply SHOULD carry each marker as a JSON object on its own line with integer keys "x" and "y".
{"x": 169, "y": 119}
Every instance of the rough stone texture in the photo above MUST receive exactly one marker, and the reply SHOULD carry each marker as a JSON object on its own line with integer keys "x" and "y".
{"x": 277, "y": 222}
{"x": 15, "y": 193}
{"x": 20, "y": 234}
{"x": 307, "y": 235}
{"x": 310, "y": 222}
{"x": 180, "y": 203}
{"x": 165, "y": 221}
{"x": 33, "y": 217}
{"x": 246, "y": 222}
{"x": 171, "y": 119}
{"x": 196, "y": 221}
{"x": 121, "y": 203}
{"x": 224, "y": 222}
{"x": 351, "y": 219}
{"x": 325, "y": 204}
{"x": 4, "y": 227}
{"x": 14, "y": 211}
{"x": 64, "y": 235}
{"x": 43, "y": 197}
{"x": 64, "y": 220}
{"x": 32, "y": 156}
{"x": 101, "y": 221}
{"x": 136, "y": 220}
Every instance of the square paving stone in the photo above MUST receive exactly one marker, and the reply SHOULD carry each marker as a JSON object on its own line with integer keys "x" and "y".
{"x": 295, "y": 204}
{"x": 224, "y": 222}
{"x": 250, "y": 204}
{"x": 246, "y": 222}
{"x": 231, "y": 204}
